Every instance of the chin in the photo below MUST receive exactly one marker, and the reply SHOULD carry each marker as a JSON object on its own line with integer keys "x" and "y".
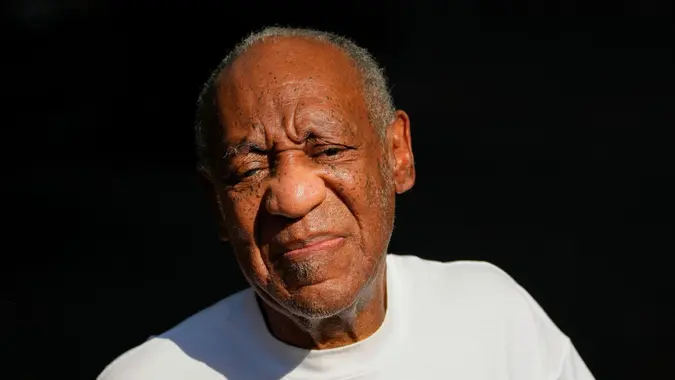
{"x": 322, "y": 300}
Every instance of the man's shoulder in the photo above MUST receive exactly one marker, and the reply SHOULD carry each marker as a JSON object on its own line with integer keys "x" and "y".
{"x": 465, "y": 285}
{"x": 470, "y": 298}
{"x": 460, "y": 275}
{"x": 453, "y": 265}
{"x": 152, "y": 359}
{"x": 185, "y": 348}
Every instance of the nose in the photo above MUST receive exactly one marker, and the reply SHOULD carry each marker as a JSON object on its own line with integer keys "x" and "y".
{"x": 295, "y": 190}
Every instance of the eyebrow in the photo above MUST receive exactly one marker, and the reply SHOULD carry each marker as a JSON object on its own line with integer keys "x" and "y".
{"x": 243, "y": 147}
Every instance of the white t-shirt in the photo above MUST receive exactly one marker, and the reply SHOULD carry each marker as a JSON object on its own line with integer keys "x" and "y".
{"x": 459, "y": 320}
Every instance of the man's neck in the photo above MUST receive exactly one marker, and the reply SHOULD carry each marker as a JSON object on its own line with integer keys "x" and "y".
{"x": 355, "y": 324}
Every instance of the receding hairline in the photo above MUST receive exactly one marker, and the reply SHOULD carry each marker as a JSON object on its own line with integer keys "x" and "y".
{"x": 255, "y": 46}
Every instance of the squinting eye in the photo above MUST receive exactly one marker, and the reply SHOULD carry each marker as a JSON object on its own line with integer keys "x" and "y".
{"x": 249, "y": 173}
{"x": 331, "y": 152}
{"x": 235, "y": 177}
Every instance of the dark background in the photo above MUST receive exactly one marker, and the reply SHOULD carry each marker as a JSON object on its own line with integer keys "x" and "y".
{"x": 543, "y": 135}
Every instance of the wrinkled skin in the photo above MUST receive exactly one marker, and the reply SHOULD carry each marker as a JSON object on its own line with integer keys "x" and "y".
{"x": 299, "y": 159}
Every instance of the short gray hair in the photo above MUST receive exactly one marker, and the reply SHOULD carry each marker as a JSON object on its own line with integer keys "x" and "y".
{"x": 378, "y": 99}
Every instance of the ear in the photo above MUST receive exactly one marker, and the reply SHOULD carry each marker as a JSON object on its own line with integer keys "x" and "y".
{"x": 214, "y": 199}
{"x": 400, "y": 148}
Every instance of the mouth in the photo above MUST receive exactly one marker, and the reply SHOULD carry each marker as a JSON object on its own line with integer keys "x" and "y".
{"x": 300, "y": 249}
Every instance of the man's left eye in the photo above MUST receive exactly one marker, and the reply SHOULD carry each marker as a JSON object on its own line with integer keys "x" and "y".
{"x": 330, "y": 152}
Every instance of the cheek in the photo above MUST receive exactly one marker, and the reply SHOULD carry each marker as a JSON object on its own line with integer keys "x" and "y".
{"x": 378, "y": 193}
{"x": 377, "y": 187}
{"x": 244, "y": 204}
{"x": 349, "y": 182}
{"x": 363, "y": 190}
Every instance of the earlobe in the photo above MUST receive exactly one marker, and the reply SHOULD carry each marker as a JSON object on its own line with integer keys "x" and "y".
{"x": 401, "y": 146}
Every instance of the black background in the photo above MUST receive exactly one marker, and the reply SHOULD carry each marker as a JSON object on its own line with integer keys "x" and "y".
{"x": 543, "y": 135}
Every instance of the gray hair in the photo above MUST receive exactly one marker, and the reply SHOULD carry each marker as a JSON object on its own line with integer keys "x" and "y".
{"x": 378, "y": 99}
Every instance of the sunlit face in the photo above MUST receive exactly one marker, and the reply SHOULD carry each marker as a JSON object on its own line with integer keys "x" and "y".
{"x": 305, "y": 184}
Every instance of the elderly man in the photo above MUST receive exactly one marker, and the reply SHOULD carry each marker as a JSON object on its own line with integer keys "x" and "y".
{"x": 303, "y": 153}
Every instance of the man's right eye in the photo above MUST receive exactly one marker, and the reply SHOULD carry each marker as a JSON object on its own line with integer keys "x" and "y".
{"x": 249, "y": 173}
{"x": 235, "y": 177}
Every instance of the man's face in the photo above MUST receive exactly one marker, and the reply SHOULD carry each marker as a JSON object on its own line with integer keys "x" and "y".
{"x": 306, "y": 186}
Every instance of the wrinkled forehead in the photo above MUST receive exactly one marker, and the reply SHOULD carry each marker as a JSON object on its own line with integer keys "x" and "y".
{"x": 289, "y": 73}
